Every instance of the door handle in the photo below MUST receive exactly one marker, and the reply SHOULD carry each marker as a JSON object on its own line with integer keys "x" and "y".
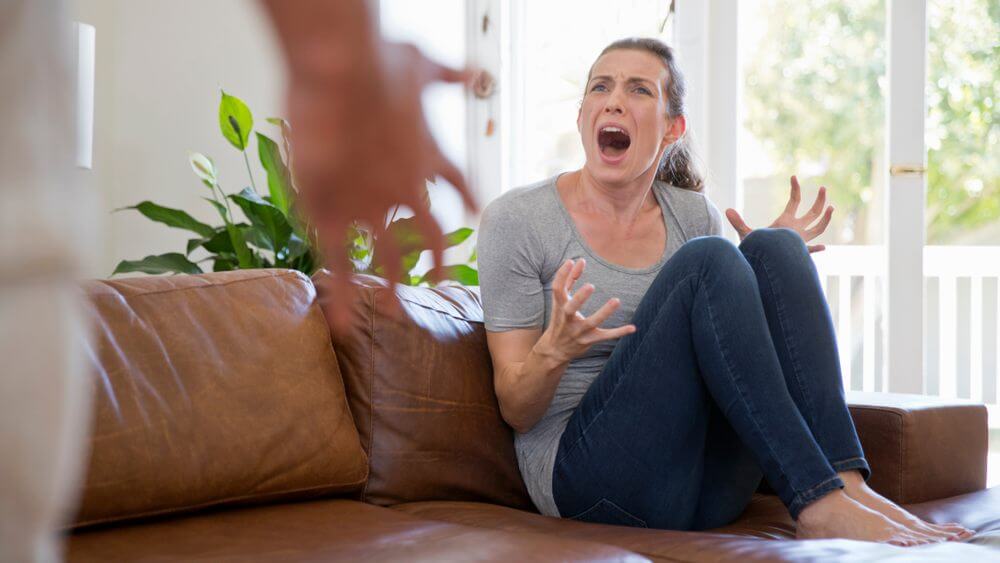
{"x": 907, "y": 170}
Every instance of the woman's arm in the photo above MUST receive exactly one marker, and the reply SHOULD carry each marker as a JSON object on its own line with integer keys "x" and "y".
{"x": 528, "y": 363}
{"x": 525, "y": 375}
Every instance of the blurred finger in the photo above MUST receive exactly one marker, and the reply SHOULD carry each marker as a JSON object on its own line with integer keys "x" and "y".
{"x": 433, "y": 236}
{"x": 434, "y": 71}
{"x": 335, "y": 302}
{"x": 454, "y": 176}
{"x": 391, "y": 262}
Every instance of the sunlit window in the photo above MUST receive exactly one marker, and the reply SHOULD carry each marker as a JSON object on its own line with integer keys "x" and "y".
{"x": 813, "y": 77}
{"x": 962, "y": 128}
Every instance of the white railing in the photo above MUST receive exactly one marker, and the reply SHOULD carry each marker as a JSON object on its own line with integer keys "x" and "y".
{"x": 961, "y": 319}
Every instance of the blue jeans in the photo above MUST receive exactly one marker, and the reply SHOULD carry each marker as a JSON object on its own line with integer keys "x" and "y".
{"x": 732, "y": 375}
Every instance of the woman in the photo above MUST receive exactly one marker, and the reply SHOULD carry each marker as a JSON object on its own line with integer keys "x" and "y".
{"x": 684, "y": 368}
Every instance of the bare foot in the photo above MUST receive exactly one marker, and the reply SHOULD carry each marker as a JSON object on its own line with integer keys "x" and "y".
{"x": 836, "y": 515}
{"x": 856, "y": 488}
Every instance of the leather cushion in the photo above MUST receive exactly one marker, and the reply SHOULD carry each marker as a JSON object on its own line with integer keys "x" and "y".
{"x": 420, "y": 385}
{"x": 213, "y": 389}
{"x": 332, "y": 530}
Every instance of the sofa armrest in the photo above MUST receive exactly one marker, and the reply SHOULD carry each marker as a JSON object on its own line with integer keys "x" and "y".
{"x": 921, "y": 448}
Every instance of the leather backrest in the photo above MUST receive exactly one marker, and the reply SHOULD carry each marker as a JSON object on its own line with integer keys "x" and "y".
{"x": 420, "y": 385}
{"x": 214, "y": 389}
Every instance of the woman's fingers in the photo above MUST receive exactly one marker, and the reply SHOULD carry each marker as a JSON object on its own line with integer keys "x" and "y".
{"x": 611, "y": 333}
{"x": 793, "y": 198}
{"x": 578, "y": 299}
{"x": 821, "y": 226}
{"x": 597, "y": 319}
{"x": 817, "y": 206}
{"x": 559, "y": 295}
{"x": 574, "y": 274}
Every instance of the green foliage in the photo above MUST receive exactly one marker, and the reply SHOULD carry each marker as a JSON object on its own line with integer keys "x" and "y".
{"x": 170, "y": 262}
{"x": 272, "y": 234}
{"x": 963, "y": 126}
{"x": 815, "y": 91}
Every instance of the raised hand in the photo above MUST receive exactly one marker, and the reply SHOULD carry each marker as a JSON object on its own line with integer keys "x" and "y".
{"x": 569, "y": 333}
{"x": 362, "y": 146}
{"x": 789, "y": 220}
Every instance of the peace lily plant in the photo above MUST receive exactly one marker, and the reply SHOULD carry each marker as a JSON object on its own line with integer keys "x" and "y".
{"x": 268, "y": 232}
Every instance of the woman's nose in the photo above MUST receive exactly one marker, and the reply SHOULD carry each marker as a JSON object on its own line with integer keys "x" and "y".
{"x": 614, "y": 103}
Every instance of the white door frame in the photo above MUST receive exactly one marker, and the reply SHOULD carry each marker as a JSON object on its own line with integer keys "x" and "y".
{"x": 906, "y": 37}
{"x": 707, "y": 41}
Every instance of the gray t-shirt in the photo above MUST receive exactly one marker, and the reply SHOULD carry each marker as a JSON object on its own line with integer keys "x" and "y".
{"x": 524, "y": 236}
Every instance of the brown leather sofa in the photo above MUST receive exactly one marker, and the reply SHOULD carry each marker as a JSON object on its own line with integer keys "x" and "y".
{"x": 228, "y": 428}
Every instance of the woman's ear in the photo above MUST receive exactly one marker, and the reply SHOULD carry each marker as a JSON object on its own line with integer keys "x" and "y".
{"x": 675, "y": 130}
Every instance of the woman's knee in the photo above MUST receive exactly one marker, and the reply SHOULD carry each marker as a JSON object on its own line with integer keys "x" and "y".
{"x": 713, "y": 251}
{"x": 774, "y": 239}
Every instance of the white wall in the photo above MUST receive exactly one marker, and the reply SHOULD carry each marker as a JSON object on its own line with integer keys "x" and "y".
{"x": 160, "y": 65}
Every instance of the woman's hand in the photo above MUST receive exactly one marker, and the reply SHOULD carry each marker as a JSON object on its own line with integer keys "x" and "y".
{"x": 788, "y": 219}
{"x": 569, "y": 333}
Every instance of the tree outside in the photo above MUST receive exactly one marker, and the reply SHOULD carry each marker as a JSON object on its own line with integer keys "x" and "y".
{"x": 814, "y": 99}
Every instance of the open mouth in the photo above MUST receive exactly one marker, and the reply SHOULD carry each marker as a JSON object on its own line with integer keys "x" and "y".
{"x": 613, "y": 141}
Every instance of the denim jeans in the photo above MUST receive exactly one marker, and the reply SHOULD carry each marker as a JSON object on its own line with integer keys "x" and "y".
{"x": 732, "y": 375}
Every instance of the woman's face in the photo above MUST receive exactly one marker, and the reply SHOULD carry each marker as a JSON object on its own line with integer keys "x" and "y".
{"x": 623, "y": 120}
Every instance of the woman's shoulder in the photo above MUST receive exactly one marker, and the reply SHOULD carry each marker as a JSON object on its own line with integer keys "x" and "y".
{"x": 695, "y": 209}
{"x": 524, "y": 198}
{"x": 524, "y": 205}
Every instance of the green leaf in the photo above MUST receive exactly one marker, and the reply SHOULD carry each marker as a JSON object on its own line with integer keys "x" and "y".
{"x": 296, "y": 247}
{"x": 461, "y": 273}
{"x": 195, "y": 243}
{"x": 474, "y": 257}
{"x": 235, "y": 121}
{"x": 457, "y": 237}
{"x": 204, "y": 168}
{"x": 170, "y": 263}
{"x": 172, "y": 218}
{"x": 218, "y": 207}
{"x": 279, "y": 179}
{"x": 264, "y": 216}
{"x": 223, "y": 265}
{"x": 243, "y": 254}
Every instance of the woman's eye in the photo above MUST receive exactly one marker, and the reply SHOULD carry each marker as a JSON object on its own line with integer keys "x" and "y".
{"x": 596, "y": 86}
{"x": 643, "y": 90}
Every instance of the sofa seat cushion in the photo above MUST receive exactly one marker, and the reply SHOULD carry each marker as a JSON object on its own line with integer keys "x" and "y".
{"x": 763, "y": 533}
{"x": 330, "y": 530}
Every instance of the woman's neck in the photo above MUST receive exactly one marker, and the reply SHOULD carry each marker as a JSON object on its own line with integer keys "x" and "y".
{"x": 621, "y": 203}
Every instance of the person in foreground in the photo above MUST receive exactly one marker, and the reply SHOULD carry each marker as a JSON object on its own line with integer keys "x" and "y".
{"x": 652, "y": 370}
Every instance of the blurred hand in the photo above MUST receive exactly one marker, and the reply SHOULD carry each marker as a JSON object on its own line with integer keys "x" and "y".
{"x": 788, "y": 219}
{"x": 361, "y": 146}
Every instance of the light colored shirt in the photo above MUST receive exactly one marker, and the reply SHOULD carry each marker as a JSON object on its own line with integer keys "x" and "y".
{"x": 524, "y": 236}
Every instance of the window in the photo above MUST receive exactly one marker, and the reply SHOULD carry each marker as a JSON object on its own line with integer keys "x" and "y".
{"x": 813, "y": 78}
{"x": 553, "y": 44}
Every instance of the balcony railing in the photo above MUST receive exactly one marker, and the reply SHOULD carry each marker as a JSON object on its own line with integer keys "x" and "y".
{"x": 961, "y": 319}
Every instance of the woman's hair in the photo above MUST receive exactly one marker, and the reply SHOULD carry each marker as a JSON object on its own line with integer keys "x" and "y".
{"x": 676, "y": 167}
